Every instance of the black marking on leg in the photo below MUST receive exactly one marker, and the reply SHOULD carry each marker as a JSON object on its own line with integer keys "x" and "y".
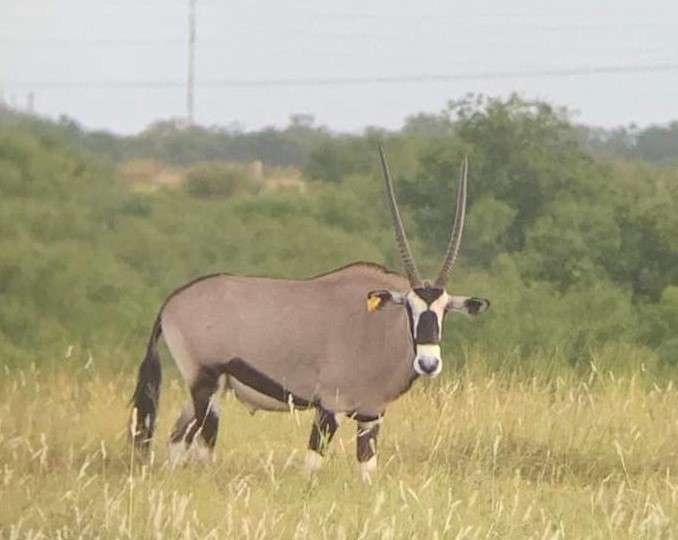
{"x": 203, "y": 389}
{"x": 181, "y": 426}
{"x": 366, "y": 442}
{"x": 324, "y": 427}
{"x": 210, "y": 429}
{"x": 364, "y": 417}
{"x": 262, "y": 383}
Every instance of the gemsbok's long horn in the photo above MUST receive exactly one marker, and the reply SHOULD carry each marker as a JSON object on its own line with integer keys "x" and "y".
{"x": 457, "y": 230}
{"x": 401, "y": 238}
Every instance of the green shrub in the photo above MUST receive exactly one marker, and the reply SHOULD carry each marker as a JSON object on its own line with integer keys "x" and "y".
{"x": 210, "y": 180}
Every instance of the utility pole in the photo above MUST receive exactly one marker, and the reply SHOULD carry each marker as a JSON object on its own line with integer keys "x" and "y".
{"x": 190, "y": 83}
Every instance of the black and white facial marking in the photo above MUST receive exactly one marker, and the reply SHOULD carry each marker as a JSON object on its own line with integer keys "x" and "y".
{"x": 426, "y": 309}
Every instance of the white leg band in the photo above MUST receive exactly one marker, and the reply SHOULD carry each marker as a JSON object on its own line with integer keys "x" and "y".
{"x": 367, "y": 469}
{"x": 313, "y": 461}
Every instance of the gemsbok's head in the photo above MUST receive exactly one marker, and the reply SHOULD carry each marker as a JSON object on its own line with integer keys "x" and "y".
{"x": 427, "y": 303}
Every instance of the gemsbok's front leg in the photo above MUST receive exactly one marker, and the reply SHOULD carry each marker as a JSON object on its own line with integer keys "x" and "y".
{"x": 366, "y": 446}
{"x": 324, "y": 427}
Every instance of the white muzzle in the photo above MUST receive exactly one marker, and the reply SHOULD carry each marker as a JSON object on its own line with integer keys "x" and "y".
{"x": 428, "y": 361}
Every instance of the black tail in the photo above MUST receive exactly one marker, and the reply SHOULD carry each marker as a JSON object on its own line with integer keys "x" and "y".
{"x": 147, "y": 392}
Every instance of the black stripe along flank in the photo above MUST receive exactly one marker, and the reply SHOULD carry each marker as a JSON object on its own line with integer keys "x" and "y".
{"x": 249, "y": 376}
{"x": 256, "y": 380}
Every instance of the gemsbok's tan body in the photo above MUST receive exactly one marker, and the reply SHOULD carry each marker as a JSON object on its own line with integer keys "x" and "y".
{"x": 346, "y": 343}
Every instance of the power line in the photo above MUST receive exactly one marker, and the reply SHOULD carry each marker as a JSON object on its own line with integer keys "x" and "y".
{"x": 120, "y": 42}
{"x": 357, "y": 80}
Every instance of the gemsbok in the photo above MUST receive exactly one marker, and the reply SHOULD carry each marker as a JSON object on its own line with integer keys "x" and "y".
{"x": 346, "y": 343}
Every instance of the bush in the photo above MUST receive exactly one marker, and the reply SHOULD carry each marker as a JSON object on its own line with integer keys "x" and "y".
{"x": 219, "y": 180}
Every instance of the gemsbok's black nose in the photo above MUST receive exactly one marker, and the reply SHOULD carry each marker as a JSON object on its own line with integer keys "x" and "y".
{"x": 428, "y": 364}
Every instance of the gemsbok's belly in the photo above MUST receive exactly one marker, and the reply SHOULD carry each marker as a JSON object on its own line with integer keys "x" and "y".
{"x": 255, "y": 400}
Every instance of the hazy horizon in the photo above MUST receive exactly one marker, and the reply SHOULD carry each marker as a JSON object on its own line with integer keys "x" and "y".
{"x": 121, "y": 65}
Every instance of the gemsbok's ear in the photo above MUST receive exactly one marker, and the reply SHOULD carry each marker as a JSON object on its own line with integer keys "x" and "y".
{"x": 379, "y": 298}
{"x": 469, "y": 306}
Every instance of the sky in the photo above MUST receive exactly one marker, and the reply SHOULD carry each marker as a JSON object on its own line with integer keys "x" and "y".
{"x": 121, "y": 64}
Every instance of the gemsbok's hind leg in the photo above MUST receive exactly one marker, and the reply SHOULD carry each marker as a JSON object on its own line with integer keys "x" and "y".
{"x": 366, "y": 446}
{"x": 324, "y": 427}
{"x": 178, "y": 447}
{"x": 199, "y": 417}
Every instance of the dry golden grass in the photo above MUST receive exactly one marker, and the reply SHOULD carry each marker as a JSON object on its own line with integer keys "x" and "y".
{"x": 497, "y": 456}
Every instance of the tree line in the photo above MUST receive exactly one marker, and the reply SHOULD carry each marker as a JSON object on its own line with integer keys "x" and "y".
{"x": 573, "y": 240}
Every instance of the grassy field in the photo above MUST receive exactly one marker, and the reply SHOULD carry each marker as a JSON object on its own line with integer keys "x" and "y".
{"x": 486, "y": 455}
